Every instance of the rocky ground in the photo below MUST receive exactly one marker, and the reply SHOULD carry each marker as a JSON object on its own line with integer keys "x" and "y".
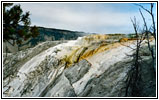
{"x": 86, "y": 67}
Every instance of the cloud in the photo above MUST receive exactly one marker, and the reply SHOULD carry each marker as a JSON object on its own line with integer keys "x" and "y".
{"x": 99, "y": 18}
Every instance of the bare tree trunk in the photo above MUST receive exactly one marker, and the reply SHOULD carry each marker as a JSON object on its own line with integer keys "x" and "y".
{"x": 134, "y": 74}
{"x": 148, "y": 32}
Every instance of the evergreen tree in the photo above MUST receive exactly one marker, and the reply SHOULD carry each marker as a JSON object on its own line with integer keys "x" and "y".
{"x": 16, "y": 25}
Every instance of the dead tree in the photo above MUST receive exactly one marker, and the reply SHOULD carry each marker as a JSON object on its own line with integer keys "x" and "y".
{"x": 148, "y": 30}
{"x": 134, "y": 74}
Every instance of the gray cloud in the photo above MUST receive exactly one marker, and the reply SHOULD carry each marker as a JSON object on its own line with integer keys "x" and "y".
{"x": 81, "y": 17}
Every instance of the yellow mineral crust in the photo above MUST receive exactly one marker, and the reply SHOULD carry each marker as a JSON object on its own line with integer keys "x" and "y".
{"x": 95, "y": 38}
{"x": 86, "y": 51}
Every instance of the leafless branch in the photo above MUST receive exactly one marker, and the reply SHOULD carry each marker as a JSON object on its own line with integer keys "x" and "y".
{"x": 143, "y": 8}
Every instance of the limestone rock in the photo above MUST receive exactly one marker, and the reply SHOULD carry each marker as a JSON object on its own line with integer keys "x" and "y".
{"x": 93, "y": 71}
{"x": 77, "y": 71}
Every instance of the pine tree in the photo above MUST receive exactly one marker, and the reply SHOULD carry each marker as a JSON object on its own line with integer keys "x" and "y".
{"x": 16, "y": 25}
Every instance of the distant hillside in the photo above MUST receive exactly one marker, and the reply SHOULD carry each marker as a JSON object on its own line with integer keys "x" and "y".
{"x": 52, "y": 34}
{"x": 46, "y": 34}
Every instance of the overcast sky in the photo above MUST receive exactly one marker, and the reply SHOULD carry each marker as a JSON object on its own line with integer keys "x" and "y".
{"x": 87, "y": 17}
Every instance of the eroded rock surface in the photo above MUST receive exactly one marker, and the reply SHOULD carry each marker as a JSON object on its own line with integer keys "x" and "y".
{"x": 86, "y": 67}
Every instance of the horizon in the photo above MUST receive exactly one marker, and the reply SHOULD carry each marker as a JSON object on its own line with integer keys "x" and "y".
{"x": 79, "y": 31}
{"x": 100, "y": 18}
